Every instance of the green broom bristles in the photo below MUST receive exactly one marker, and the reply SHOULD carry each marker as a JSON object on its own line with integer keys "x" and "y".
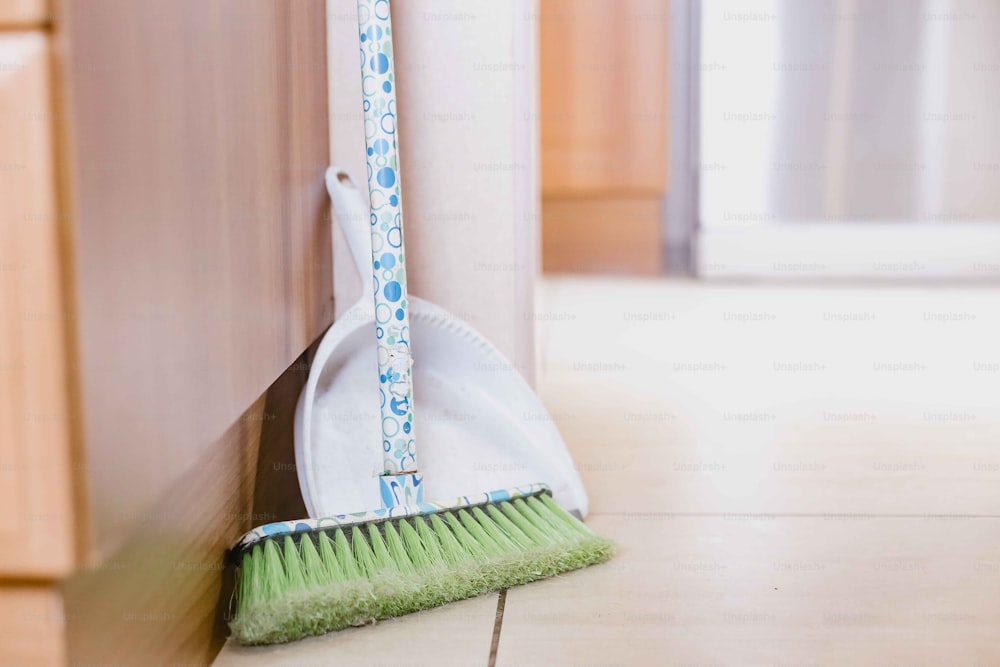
{"x": 295, "y": 587}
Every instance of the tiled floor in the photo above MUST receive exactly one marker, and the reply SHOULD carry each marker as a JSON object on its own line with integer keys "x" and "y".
{"x": 795, "y": 475}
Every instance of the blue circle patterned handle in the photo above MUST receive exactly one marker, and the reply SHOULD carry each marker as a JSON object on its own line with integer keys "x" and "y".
{"x": 400, "y": 482}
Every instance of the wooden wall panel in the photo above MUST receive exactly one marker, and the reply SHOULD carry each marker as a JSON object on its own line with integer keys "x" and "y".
{"x": 195, "y": 150}
{"x": 37, "y": 529}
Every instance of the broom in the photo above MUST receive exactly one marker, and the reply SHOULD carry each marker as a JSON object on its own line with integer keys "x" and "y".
{"x": 308, "y": 577}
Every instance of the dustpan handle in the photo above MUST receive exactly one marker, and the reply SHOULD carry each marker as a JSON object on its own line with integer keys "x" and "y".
{"x": 400, "y": 483}
{"x": 353, "y": 215}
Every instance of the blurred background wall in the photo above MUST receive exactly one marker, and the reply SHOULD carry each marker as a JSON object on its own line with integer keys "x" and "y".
{"x": 771, "y": 138}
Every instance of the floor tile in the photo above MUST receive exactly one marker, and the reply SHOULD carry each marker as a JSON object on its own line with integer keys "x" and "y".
{"x": 803, "y": 401}
{"x": 457, "y": 634}
{"x": 768, "y": 591}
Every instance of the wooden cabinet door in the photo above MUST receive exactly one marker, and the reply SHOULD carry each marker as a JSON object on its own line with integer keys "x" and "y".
{"x": 604, "y": 122}
{"x": 23, "y": 13}
{"x": 604, "y": 96}
{"x": 35, "y": 492}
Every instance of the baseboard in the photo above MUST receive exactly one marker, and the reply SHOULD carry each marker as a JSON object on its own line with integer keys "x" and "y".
{"x": 613, "y": 234}
{"x": 885, "y": 251}
{"x": 163, "y": 597}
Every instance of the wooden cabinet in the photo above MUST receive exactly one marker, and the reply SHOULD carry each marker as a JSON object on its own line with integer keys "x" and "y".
{"x": 23, "y": 13}
{"x": 165, "y": 258}
{"x": 32, "y": 621}
{"x": 194, "y": 162}
{"x": 604, "y": 122}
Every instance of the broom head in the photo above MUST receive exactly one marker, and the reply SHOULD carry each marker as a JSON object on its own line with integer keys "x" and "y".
{"x": 310, "y": 577}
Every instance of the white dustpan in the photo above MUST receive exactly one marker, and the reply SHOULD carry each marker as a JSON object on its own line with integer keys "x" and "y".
{"x": 480, "y": 424}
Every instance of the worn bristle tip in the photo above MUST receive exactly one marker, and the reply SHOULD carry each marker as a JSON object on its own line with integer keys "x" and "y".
{"x": 292, "y": 588}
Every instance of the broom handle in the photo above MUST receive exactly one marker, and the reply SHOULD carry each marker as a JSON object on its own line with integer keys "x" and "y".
{"x": 399, "y": 483}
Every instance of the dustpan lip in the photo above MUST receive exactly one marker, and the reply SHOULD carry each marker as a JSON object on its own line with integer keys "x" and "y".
{"x": 357, "y": 316}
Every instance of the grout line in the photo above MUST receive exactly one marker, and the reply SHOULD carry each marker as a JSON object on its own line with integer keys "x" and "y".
{"x": 497, "y": 624}
{"x": 791, "y": 515}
